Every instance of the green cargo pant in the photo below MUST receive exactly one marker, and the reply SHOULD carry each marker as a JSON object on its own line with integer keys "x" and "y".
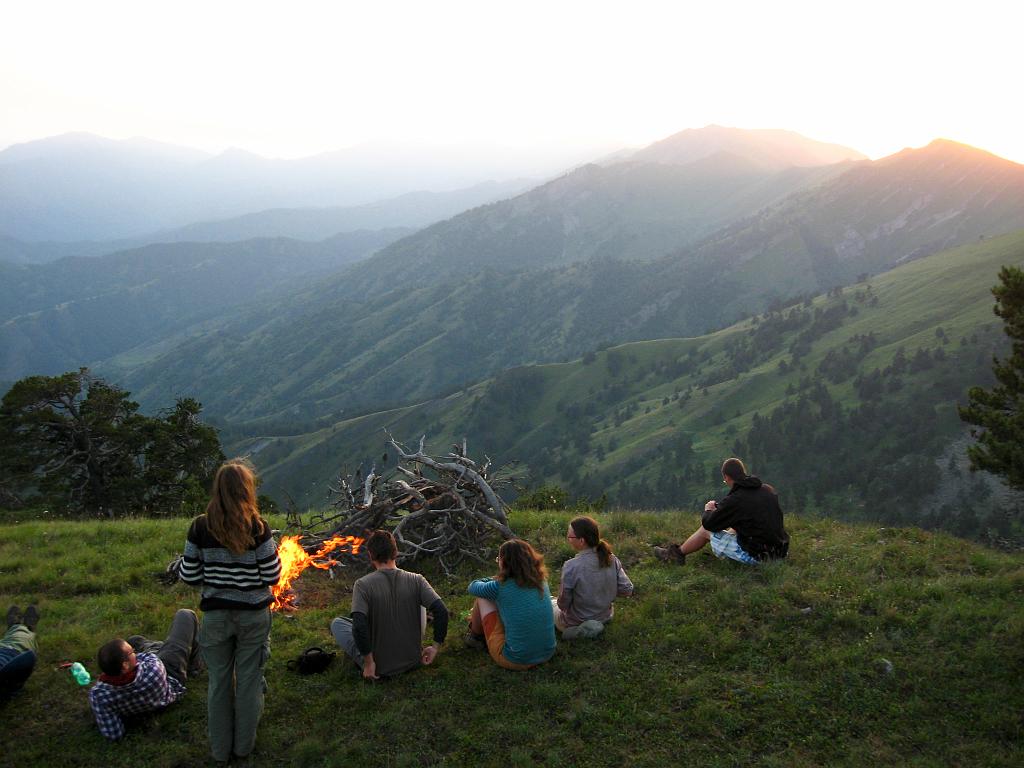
{"x": 235, "y": 646}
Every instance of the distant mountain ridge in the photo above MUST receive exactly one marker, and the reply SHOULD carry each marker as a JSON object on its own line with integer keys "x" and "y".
{"x": 84, "y": 187}
{"x": 439, "y": 305}
{"x": 629, "y": 210}
{"x": 412, "y": 210}
{"x": 771, "y": 149}
{"x": 874, "y": 216}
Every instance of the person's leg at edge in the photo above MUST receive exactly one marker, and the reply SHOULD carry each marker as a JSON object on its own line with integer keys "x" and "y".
{"x": 178, "y": 650}
{"x": 251, "y": 656}
{"x": 217, "y": 641}
{"x": 341, "y": 628}
{"x": 18, "y": 650}
{"x": 20, "y": 638}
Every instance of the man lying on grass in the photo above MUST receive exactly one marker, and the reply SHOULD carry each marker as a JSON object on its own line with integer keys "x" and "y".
{"x": 746, "y": 526}
{"x": 142, "y": 676}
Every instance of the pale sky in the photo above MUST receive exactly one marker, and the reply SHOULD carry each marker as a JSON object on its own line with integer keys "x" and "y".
{"x": 289, "y": 79}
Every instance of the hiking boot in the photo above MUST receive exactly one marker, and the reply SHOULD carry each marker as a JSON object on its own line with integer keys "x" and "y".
{"x": 476, "y": 642}
{"x": 31, "y": 617}
{"x": 13, "y": 616}
{"x": 670, "y": 554}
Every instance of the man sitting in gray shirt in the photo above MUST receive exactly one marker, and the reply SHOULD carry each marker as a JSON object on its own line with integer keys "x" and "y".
{"x": 590, "y": 582}
{"x": 384, "y": 636}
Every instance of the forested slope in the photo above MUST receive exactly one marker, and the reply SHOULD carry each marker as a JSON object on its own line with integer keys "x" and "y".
{"x": 846, "y": 400}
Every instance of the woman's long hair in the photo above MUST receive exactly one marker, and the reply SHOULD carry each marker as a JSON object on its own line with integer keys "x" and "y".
{"x": 522, "y": 563}
{"x": 232, "y": 513}
{"x": 586, "y": 528}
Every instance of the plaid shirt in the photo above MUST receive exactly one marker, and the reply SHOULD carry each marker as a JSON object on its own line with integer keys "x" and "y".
{"x": 151, "y": 689}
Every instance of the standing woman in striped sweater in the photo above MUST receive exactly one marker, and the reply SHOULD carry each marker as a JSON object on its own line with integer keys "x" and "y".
{"x": 230, "y": 553}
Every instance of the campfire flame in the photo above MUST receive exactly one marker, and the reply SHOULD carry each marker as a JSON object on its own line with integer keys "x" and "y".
{"x": 295, "y": 559}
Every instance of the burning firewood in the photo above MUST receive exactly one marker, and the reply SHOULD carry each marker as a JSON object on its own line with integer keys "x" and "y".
{"x": 295, "y": 559}
{"x": 441, "y": 507}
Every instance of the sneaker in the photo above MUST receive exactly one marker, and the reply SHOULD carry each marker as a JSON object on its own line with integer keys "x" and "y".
{"x": 670, "y": 554}
{"x": 31, "y": 617}
{"x": 13, "y": 616}
{"x": 476, "y": 642}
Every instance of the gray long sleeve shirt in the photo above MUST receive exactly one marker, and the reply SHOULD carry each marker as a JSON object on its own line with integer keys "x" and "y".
{"x": 587, "y": 589}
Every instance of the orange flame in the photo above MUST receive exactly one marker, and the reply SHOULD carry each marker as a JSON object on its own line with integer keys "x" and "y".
{"x": 294, "y": 560}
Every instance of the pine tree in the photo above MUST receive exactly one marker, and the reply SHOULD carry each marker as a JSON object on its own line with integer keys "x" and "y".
{"x": 76, "y": 441}
{"x": 1000, "y": 446}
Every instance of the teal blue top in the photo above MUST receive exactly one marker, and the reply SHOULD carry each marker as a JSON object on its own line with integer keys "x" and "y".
{"x": 527, "y": 616}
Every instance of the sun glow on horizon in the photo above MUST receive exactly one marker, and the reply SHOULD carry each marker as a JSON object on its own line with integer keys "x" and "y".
{"x": 318, "y": 77}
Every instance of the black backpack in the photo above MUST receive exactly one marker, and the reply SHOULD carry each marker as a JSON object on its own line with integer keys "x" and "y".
{"x": 311, "y": 661}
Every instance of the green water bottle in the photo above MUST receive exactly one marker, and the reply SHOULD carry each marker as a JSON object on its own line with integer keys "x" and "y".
{"x": 80, "y": 673}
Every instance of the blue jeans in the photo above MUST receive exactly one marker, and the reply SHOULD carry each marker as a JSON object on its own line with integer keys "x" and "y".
{"x": 17, "y": 658}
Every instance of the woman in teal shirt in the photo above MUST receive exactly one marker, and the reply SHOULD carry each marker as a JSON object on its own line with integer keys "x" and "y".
{"x": 513, "y": 610}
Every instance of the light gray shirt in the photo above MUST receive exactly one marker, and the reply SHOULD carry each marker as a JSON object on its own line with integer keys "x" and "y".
{"x": 587, "y": 589}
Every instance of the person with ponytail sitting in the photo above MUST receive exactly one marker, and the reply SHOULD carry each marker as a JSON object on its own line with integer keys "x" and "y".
{"x": 512, "y": 612}
{"x": 590, "y": 582}
{"x": 231, "y": 554}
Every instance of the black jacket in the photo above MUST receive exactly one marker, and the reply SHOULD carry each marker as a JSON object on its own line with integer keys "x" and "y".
{"x": 751, "y": 508}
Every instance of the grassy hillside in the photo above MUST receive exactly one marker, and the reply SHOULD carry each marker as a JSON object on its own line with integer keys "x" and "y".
{"x": 868, "y": 646}
{"x": 469, "y": 296}
{"x": 649, "y": 422}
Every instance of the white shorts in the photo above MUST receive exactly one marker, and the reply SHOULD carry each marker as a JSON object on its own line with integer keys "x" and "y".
{"x": 725, "y": 544}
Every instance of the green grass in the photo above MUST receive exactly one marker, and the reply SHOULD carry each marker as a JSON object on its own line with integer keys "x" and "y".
{"x": 710, "y": 664}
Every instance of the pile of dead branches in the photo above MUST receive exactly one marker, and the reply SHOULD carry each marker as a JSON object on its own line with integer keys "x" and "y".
{"x": 444, "y": 507}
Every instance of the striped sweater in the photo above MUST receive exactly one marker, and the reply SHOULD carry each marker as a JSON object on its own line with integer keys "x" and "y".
{"x": 230, "y": 581}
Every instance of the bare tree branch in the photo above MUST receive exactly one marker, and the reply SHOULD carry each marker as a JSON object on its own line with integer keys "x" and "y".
{"x": 439, "y": 507}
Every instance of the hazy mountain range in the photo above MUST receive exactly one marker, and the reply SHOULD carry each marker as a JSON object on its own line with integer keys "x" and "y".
{"x": 84, "y": 187}
{"x": 64, "y": 314}
{"x": 457, "y": 302}
{"x": 412, "y": 210}
{"x": 301, "y": 334}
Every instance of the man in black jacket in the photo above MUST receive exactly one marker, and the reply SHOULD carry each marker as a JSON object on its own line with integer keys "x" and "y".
{"x": 745, "y": 526}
